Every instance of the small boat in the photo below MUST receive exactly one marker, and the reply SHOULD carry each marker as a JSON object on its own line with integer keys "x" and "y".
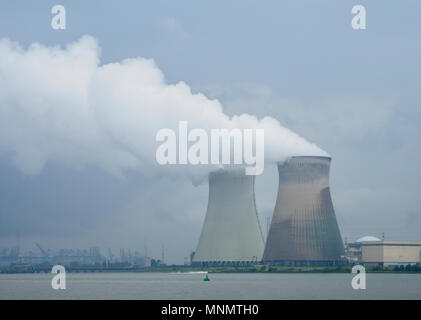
{"x": 206, "y": 278}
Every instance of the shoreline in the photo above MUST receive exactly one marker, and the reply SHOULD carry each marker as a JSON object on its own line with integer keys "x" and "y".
{"x": 410, "y": 269}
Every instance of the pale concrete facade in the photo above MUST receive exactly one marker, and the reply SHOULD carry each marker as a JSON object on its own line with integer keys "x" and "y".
{"x": 231, "y": 232}
{"x": 399, "y": 252}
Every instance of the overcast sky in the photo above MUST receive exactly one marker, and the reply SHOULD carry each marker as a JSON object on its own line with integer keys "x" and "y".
{"x": 353, "y": 93}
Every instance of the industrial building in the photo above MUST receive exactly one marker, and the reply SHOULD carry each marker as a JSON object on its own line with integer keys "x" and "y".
{"x": 231, "y": 231}
{"x": 353, "y": 252}
{"x": 384, "y": 253}
{"x": 61, "y": 256}
{"x": 304, "y": 230}
{"x": 370, "y": 250}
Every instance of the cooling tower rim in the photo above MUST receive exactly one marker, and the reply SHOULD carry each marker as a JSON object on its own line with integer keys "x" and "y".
{"x": 325, "y": 158}
{"x": 316, "y": 157}
{"x": 227, "y": 172}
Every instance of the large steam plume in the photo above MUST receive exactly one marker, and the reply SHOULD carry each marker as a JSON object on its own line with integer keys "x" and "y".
{"x": 62, "y": 105}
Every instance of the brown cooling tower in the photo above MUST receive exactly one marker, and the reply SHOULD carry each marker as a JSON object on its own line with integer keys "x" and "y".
{"x": 304, "y": 230}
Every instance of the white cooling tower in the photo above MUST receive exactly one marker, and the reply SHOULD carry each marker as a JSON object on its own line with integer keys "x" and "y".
{"x": 231, "y": 232}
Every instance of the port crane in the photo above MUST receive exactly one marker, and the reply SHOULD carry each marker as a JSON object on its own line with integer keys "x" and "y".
{"x": 45, "y": 253}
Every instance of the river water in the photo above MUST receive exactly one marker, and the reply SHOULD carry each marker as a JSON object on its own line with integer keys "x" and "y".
{"x": 221, "y": 286}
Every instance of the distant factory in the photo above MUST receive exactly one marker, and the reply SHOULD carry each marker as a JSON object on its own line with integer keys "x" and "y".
{"x": 61, "y": 256}
{"x": 91, "y": 256}
{"x": 303, "y": 230}
{"x": 372, "y": 251}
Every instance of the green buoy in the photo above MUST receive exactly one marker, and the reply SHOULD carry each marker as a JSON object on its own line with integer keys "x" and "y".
{"x": 206, "y": 278}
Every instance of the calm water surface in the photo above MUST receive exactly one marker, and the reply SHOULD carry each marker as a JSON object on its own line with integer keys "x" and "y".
{"x": 221, "y": 286}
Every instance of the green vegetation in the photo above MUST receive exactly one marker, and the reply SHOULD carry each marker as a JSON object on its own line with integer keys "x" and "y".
{"x": 216, "y": 269}
{"x": 283, "y": 269}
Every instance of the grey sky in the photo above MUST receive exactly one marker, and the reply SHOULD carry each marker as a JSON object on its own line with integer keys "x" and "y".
{"x": 353, "y": 93}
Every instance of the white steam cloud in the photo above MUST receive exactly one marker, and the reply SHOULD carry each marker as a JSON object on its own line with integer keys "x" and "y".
{"x": 62, "y": 105}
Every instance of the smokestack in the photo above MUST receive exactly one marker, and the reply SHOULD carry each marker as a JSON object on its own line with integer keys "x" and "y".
{"x": 304, "y": 230}
{"x": 231, "y": 232}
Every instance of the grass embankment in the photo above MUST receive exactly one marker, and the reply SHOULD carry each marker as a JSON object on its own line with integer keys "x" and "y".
{"x": 281, "y": 269}
{"x": 214, "y": 269}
